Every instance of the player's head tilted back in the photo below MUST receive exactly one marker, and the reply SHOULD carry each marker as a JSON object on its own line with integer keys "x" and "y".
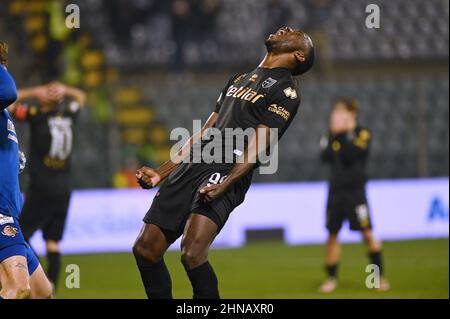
{"x": 294, "y": 46}
{"x": 3, "y": 54}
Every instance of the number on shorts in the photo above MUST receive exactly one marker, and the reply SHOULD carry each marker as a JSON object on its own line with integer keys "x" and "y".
{"x": 215, "y": 179}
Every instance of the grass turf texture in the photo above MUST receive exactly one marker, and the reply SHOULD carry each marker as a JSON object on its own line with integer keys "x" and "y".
{"x": 416, "y": 269}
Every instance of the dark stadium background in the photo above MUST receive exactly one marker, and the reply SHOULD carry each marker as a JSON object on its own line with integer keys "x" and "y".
{"x": 150, "y": 66}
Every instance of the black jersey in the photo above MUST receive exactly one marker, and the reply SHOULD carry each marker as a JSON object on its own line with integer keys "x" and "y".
{"x": 51, "y": 143}
{"x": 264, "y": 96}
{"x": 347, "y": 154}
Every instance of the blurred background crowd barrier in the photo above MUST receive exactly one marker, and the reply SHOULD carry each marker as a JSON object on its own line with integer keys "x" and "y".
{"x": 108, "y": 220}
{"x": 150, "y": 66}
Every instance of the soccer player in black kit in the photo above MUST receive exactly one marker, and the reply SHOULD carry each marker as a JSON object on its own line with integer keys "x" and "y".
{"x": 195, "y": 200}
{"x": 50, "y": 111}
{"x": 346, "y": 150}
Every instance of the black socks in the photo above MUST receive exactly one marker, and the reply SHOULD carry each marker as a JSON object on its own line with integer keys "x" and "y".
{"x": 54, "y": 267}
{"x": 332, "y": 270}
{"x": 156, "y": 279}
{"x": 376, "y": 259}
{"x": 158, "y": 284}
{"x": 204, "y": 282}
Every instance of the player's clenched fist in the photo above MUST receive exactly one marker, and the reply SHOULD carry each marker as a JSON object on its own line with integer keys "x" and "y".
{"x": 212, "y": 192}
{"x": 147, "y": 177}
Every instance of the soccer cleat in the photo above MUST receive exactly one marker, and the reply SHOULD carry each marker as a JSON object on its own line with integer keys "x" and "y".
{"x": 329, "y": 285}
{"x": 384, "y": 285}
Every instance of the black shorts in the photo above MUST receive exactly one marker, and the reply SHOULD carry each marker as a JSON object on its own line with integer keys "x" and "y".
{"x": 179, "y": 197}
{"x": 348, "y": 205}
{"x": 45, "y": 211}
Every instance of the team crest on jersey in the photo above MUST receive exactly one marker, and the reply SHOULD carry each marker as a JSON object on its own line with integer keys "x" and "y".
{"x": 10, "y": 231}
{"x": 268, "y": 83}
{"x": 6, "y": 220}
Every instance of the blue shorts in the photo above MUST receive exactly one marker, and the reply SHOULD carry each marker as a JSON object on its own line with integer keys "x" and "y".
{"x": 13, "y": 244}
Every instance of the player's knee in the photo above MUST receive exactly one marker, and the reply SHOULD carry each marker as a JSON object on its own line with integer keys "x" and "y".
{"x": 52, "y": 246}
{"x": 192, "y": 257}
{"x": 47, "y": 293}
{"x": 332, "y": 238}
{"x": 373, "y": 244}
{"x": 145, "y": 254}
{"x": 368, "y": 236}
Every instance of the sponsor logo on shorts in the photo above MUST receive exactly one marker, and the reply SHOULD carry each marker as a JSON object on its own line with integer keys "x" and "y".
{"x": 6, "y": 220}
{"x": 10, "y": 231}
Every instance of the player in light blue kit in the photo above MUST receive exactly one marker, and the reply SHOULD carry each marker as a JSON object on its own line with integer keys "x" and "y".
{"x": 21, "y": 275}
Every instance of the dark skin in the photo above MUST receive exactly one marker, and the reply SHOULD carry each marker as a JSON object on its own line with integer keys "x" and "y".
{"x": 286, "y": 48}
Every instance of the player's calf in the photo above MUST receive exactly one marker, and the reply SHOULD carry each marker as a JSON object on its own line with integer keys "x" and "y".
{"x": 14, "y": 278}
{"x": 148, "y": 251}
{"x": 374, "y": 248}
{"x": 193, "y": 254}
{"x": 150, "y": 245}
{"x": 373, "y": 245}
{"x": 41, "y": 287}
{"x": 199, "y": 233}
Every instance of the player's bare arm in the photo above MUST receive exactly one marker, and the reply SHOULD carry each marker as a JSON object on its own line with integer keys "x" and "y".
{"x": 49, "y": 93}
{"x": 58, "y": 90}
{"x": 8, "y": 92}
{"x": 35, "y": 92}
{"x": 257, "y": 145}
{"x": 149, "y": 178}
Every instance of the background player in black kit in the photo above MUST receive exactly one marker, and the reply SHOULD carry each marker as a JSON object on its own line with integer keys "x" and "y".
{"x": 196, "y": 199}
{"x": 346, "y": 150}
{"x": 51, "y": 111}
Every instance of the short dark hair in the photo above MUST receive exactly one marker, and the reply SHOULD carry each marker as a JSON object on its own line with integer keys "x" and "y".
{"x": 350, "y": 104}
{"x": 3, "y": 53}
{"x": 308, "y": 49}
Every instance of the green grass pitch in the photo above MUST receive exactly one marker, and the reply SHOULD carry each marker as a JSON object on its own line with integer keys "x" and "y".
{"x": 416, "y": 269}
